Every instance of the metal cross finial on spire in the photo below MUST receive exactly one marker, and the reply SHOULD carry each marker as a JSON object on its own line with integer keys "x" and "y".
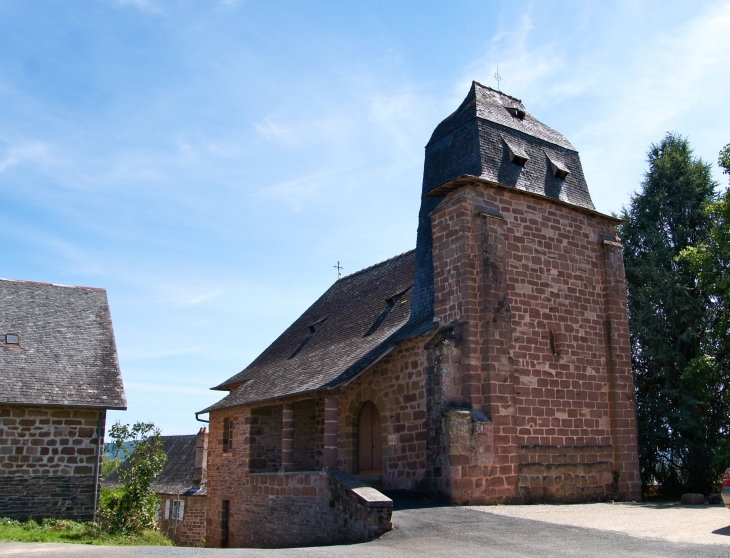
{"x": 499, "y": 79}
{"x": 339, "y": 269}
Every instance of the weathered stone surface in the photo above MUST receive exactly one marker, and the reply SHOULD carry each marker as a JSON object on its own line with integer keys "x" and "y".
{"x": 48, "y": 461}
{"x": 692, "y": 499}
{"x": 61, "y": 497}
{"x": 715, "y": 498}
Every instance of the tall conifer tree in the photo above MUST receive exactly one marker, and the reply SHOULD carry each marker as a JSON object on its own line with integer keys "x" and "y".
{"x": 669, "y": 315}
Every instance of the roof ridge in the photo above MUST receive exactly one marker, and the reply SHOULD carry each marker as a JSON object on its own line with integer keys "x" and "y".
{"x": 51, "y": 284}
{"x": 497, "y": 91}
{"x": 364, "y": 269}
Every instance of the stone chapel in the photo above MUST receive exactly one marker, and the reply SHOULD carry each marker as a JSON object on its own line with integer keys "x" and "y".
{"x": 489, "y": 365}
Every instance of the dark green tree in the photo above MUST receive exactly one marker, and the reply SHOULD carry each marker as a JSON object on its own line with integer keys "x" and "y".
{"x": 710, "y": 260}
{"x": 132, "y": 507}
{"x": 669, "y": 315}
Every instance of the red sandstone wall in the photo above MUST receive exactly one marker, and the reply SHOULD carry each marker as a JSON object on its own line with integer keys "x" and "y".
{"x": 510, "y": 281}
{"x": 191, "y": 530}
{"x": 396, "y": 385}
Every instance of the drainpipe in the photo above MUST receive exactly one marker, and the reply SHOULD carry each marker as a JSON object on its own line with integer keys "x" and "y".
{"x": 97, "y": 467}
{"x": 177, "y": 515}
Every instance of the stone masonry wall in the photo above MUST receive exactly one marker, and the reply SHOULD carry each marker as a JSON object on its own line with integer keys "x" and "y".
{"x": 306, "y": 509}
{"x": 531, "y": 290}
{"x": 48, "y": 462}
{"x": 191, "y": 530}
{"x": 396, "y": 385}
{"x": 266, "y": 427}
{"x": 309, "y": 435}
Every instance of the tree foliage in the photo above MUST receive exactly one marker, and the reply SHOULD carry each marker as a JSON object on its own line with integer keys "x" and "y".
{"x": 677, "y": 378}
{"x": 131, "y": 508}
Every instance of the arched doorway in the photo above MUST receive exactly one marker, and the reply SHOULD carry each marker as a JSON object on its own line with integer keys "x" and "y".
{"x": 369, "y": 440}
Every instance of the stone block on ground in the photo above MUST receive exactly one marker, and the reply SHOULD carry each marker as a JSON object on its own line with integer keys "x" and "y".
{"x": 692, "y": 499}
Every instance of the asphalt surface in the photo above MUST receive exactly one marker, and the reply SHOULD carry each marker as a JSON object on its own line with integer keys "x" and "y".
{"x": 423, "y": 529}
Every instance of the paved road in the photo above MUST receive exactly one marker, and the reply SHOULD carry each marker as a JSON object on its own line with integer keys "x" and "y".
{"x": 427, "y": 531}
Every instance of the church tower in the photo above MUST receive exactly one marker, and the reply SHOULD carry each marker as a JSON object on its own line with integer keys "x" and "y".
{"x": 529, "y": 383}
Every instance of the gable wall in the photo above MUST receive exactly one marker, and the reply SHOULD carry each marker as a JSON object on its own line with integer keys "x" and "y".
{"x": 48, "y": 461}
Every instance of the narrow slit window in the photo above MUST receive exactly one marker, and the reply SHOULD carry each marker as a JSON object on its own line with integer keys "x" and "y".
{"x": 553, "y": 348}
{"x": 313, "y": 328}
{"x": 227, "y": 435}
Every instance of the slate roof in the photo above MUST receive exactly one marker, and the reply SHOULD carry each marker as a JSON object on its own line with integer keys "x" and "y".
{"x": 177, "y": 476}
{"x": 354, "y": 327}
{"x": 475, "y": 140}
{"x": 66, "y": 353}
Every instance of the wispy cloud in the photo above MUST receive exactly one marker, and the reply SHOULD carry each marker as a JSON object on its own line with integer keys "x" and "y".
{"x": 143, "y": 5}
{"x": 28, "y": 152}
{"x": 626, "y": 98}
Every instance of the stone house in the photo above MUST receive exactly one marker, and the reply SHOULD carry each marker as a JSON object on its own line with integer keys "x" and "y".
{"x": 489, "y": 365}
{"x": 180, "y": 488}
{"x": 59, "y": 373}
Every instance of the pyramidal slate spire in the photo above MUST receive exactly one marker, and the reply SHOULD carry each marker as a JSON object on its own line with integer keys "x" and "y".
{"x": 492, "y": 136}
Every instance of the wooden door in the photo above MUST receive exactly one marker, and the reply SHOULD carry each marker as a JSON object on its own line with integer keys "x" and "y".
{"x": 369, "y": 440}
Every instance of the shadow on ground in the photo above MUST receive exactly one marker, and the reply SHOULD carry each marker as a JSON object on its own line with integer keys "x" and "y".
{"x": 409, "y": 500}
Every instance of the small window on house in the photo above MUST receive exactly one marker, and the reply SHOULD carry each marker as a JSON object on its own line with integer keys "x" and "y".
{"x": 559, "y": 169}
{"x": 553, "y": 348}
{"x": 178, "y": 510}
{"x": 227, "y": 435}
{"x": 12, "y": 339}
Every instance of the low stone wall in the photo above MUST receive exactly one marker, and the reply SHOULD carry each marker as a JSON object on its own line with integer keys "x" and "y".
{"x": 566, "y": 474}
{"x": 309, "y": 509}
{"x": 53, "y": 496}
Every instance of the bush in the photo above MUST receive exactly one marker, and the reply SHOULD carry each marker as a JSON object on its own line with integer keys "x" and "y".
{"x": 131, "y": 508}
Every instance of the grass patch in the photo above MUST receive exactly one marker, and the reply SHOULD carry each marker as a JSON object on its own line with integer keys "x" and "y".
{"x": 67, "y": 531}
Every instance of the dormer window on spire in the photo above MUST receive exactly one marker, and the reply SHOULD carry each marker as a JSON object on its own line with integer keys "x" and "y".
{"x": 559, "y": 169}
{"x": 516, "y": 154}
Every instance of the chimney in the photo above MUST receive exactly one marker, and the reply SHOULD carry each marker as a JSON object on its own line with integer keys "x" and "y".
{"x": 200, "y": 475}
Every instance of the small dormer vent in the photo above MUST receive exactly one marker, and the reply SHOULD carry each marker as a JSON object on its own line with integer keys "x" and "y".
{"x": 517, "y": 155}
{"x": 559, "y": 169}
{"x": 516, "y": 112}
{"x": 313, "y": 328}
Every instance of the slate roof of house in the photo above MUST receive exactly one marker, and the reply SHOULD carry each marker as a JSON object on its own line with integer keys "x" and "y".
{"x": 177, "y": 476}
{"x": 476, "y": 139}
{"x": 354, "y": 325}
{"x": 66, "y": 353}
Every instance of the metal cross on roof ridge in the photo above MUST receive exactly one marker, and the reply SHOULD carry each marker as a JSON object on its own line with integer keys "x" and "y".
{"x": 339, "y": 269}
{"x": 499, "y": 78}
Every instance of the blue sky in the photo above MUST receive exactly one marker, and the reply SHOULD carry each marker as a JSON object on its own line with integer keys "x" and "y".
{"x": 208, "y": 163}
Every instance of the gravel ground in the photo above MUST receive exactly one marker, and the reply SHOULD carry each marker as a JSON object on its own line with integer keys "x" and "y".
{"x": 503, "y": 531}
{"x": 668, "y": 521}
